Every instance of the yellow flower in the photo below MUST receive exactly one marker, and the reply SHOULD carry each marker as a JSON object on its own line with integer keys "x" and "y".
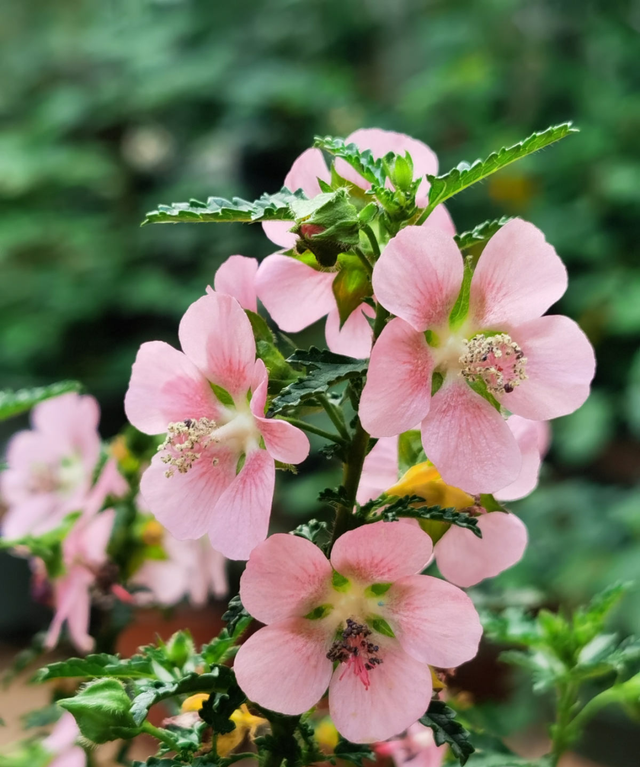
{"x": 152, "y": 535}
{"x": 327, "y": 735}
{"x": 425, "y": 481}
{"x": 194, "y": 703}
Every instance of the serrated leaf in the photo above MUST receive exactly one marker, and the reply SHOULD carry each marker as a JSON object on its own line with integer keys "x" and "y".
{"x": 362, "y": 161}
{"x": 235, "y": 616}
{"x": 217, "y": 709}
{"x": 224, "y": 646}
{"x": 334, "y": 496}
{"x": 480, "y": 233}
{"x": 405, "y": 508}
{"x": 355, "y": 753}
{"x": 324, "y": 370}
{"x": 15, "y": 402}
{"x": 464, "y": 175}
{"x": 441, "y": 719}
{"x": 312, "y": 530}
{"x": 97, "y": 666}
{"x": 269, "y": 207}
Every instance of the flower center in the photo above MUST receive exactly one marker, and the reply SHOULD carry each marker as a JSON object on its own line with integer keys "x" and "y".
{"x": 356, "y": 651}
{"x": 184, "y": 444}
{"x": 496, "y": 360}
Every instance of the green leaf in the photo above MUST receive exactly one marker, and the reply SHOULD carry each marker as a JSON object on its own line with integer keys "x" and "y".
{"x": 324, "y": 369}
{"x": 351, "y": 286}
{"x": 362, "y": 162}
{"x": 224, "y": 646}
{"x": 41, "y": 717}
{"x": 339, "y": 582}
{"x": 97, "y": 666}
{"x": 48, "y": 546}
{"x": 379, "y": 624}
{"x": 103, "y": 711}
{"x": 461, "y": 307}
{"x": 218, "y": 708}
{"x": 235, "y": 615}
{"x": 16, "y": 402}
{"x": 219, "y": 679}
{"x": 377, "y": 589}
{"x": 25, "y": 658}
{"x": 313, "y": 530}
{"x": 441, "y": 719}
{"x": 410, "y": 450}
{"x": 353, "y": 752}
{"x": 480, "y": 233}
{"x": 269, "y": 207}
{"x": 405, "y": 508}
{"x": 222, "y": 395}
{"x": 334, "y": 496}
{"x": 261, "y": 330}
{"x": 464, "y": 175}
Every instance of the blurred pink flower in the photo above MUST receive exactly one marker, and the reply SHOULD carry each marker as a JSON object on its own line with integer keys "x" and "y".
{"x": 536, "y": 367}
{"x": 62, "y": 743}
{"x": 365, "y": 609}
{"x": 212, "y": 474}
{"x": 51, "y": 467}
{"x": 192, "y": 569}
{"x": 416, "y": 748}
{"x": 297, "y": 295}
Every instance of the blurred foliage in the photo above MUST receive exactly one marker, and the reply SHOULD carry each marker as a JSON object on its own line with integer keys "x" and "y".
{"x": 114, "y": 107}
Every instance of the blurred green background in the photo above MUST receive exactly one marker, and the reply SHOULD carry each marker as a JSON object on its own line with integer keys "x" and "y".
{"x": 108, "y": 108}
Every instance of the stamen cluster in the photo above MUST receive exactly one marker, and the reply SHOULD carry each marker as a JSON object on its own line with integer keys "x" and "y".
{"x": 184, "y": 443}
{"x": 497, "y": 360}
{"x": 356, "y": 651}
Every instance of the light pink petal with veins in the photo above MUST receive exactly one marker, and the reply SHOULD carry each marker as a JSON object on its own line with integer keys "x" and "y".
{"x": 465, "y": 559}
{"x": 518, "y": 277}
{"x": 166, "y": 387}
{"x": 418, "y": 276}
{"x": 355, "y": 337}
{"x": 399, "y": 373}
{"x": 186, "y": 503}
{"x": 284, "y": 667}
{"x": 216, "y": 335}
{"x": 380, "y": 469}
{"x": 440, "y": 218}
{"x": 560, "y": 367}
{"x": 294, "y": 294}
{"x": 532, "y": 439}
{"x": 237, "y": 277}
{"x": 434, "y": 621}
{"x": 399, "y": 695}
{"x": 381, "y": 552}
{"x": 241, "y": 518}
{"x": 286, "y": 576}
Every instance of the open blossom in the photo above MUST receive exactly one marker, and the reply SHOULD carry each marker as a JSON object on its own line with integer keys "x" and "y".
{"x": 237, "y": 277}
{"x": 534, "y": 366}
{"x": 462, "y": 557}
{"x": 62, "y": 744}
{"x": 51, "y": 467}
{"x": 87, "y": 568}
{"x": 215, "y": 471}
{"x": 366, "y": 611}
{"x": 192, "y": 568}
{"x": 297, "y": 295}
{"x": 416, "y": 748}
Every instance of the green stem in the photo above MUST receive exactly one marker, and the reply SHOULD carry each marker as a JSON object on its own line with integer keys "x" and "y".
{"x": 605, "y": 698}
{"x": 351, "y": 479}
{"x": 562, "y": 730}
{"x": 372, "y": 239}
{"x": 381, "y": 318}
{"x": 162, "y": 735}
{"x": 283, "y": 731}
{"x": 335, "y": 415}
{"x": 425, "y": 215}
{"x": 312, "y": 429}
{"x": 365, "y": 261}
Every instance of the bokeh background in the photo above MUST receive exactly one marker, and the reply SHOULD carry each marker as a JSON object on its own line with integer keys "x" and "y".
{"x": 109, "y": 108}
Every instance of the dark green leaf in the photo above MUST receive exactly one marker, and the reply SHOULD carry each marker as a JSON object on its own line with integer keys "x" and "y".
{"x": 16, "y": 402}
{"x": 445, "y": 186}
{"x": 480, "y": 233}
{"x": 219, "y": 706}
{"x": 405, "y": 508}
{"x": 334, "y": 496}
{"x": 96, "y": 666}
{"x": 223, "y": 647}
{"x": 362, "y": 161}
{"x": 353, "y": 752}
{"x": 441, "y": 719}
{"x": 235, "y": 615}
{"x": 313, "y": 530}
{"x": 324, "y": 369}
{"x": 269, "y": 207}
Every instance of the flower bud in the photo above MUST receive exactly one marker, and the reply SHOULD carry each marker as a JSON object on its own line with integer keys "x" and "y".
{"x": 102, "y": 711}
{"x": 180, "y": 648}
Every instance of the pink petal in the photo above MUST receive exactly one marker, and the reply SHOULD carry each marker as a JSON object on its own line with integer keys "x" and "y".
{"x": 284, "y": 667}
{"x": 64, "y": 734}
{"x": 518, "y": 277}
{"x": 166, "y": 581}
{"x": 286, "y": 576}
{"x": 399, "y": 695}
{"x": 283, "y": 441}
{"x": 72, "y": 421}
{"x": 304, "y": 174}
{"x": 237, "y": 277}
{"x": 185, "y": 503}
{"x": 72, "y": 605}
{"x": 530, "y": 436}
{"x": 355, "y": 337}
{"x": 418, "y": 276}
{"x": 294, "y": 294}
{"x": 439, "y": 219}
{"x": 399, "y": 372}
{"x": 381, "y": 552}
{"x": 380, "y": 470}
{"x": 33, "y": 516}
{"x": 216, "y": 335}
{"x": 434, "y": 621}
{"x": 95, "y": 535}
{"x": 560, "y": 366}
{"x": 465, "y": 559}
{"x": 241, "y": 518}
{"x": 469, "y": 441}
{"x": 166, "y": 387}
{"x": 110, "y": 482}
{"x": 216, "y": 566}
{"x": 73, "y": 757}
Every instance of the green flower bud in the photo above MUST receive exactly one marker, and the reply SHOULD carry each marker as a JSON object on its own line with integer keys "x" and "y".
{"x": 180, "y": 648}
{"x": 102, "y": 711}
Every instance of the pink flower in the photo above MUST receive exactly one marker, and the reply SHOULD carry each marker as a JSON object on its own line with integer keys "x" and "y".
{"x": 297, "y": 295}
{"x": 416, "y": 748}
{"x": 51, "y": 466}
{"x": 364, "y": 609}
{"x": 536, "y": 367}
{"x": 192, "y": 569}
{"x": 462, "y": 557}
{"x": 86, "y": 563}
{"x": 237, "y": 277}
{"x": 215, "y": 471}
{"x": 62, "y": 743}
